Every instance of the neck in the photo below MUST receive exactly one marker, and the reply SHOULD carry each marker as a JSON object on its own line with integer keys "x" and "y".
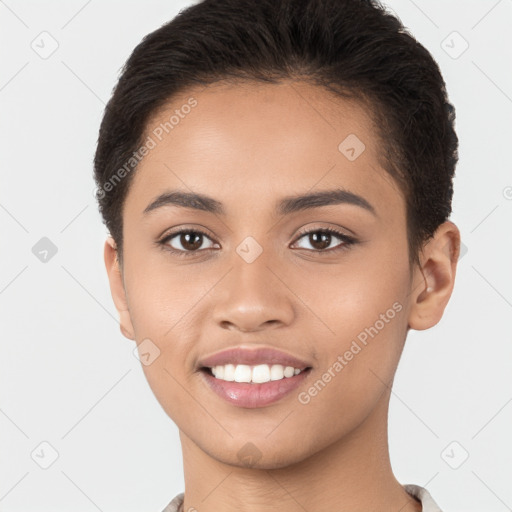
{"x": 353, "y": 474}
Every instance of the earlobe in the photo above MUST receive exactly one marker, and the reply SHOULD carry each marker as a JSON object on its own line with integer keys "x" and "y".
{"x": 435, "y": 278}
{"x": 117, "y": 288}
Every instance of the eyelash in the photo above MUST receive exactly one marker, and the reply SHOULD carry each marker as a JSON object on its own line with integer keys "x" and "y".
{"x": 347, "y": 241}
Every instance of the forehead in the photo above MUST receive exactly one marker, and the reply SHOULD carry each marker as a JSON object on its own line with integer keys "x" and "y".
{"x": 261, "y": 140}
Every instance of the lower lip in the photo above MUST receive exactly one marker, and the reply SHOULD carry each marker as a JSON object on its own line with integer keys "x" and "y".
{"x": 247, "y": 394}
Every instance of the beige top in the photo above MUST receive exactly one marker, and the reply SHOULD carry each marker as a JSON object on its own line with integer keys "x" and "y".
{"x": 427, "y": 502}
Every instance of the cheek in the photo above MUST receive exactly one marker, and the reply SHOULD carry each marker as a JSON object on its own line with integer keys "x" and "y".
{"x": 356, "y": 368}
{"x": 162, "y": 296}
{"x": 162, "y": 310}
{"x": 362, "y": 291}
{"x": 164, "y": 314}
{"x": 358, "y": 327}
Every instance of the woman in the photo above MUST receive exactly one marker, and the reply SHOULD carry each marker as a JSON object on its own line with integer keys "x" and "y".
{"x": 276, "y": 177}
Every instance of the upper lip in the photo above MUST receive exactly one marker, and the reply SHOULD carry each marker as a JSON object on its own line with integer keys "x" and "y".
{"x": 252, "y": 356}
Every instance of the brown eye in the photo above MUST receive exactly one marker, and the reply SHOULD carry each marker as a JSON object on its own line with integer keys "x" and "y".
{"x": 321, "y": 239}
{"x": 191, "y": 240}
{"x": 186, "y": 241}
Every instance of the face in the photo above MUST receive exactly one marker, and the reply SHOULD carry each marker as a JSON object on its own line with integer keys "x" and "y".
{"x": 257, "y": 271}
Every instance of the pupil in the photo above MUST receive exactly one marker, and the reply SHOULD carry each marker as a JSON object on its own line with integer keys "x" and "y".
{"x": 191, "y": 245}
{"x": 323, "y": 244}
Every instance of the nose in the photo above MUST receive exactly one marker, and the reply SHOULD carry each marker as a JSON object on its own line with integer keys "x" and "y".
{"x": 254, "y": 297}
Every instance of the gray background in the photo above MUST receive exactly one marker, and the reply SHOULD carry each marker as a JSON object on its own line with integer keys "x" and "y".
{"x": 68, "y": 376}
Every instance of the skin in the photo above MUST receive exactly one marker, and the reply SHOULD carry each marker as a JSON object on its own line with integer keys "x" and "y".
{"x": 248, "y": 146}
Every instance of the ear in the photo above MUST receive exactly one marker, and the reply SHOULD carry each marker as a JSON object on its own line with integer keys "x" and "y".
{"x": 435, "y": 277}
{"x": 117, "y": 290}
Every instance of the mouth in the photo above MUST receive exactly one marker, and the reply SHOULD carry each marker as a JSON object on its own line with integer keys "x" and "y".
{"x": 249, "y": 376}
{"x": 252, "y": 374}
{"x": 245, "y": 392}
{"x": 250, "y": 356}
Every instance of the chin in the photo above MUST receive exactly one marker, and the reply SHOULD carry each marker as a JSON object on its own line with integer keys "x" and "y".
{"x": 254, "y": 455}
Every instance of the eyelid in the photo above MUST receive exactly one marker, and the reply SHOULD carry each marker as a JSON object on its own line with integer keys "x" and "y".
{"x": 185, "y": 227}
{"x": 333, "y": 229}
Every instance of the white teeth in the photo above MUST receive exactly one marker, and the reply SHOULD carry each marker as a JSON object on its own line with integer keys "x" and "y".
{"x": 257, "y": 374}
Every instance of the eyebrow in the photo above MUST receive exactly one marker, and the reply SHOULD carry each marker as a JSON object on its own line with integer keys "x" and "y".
{"x": 285, "y": 206}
